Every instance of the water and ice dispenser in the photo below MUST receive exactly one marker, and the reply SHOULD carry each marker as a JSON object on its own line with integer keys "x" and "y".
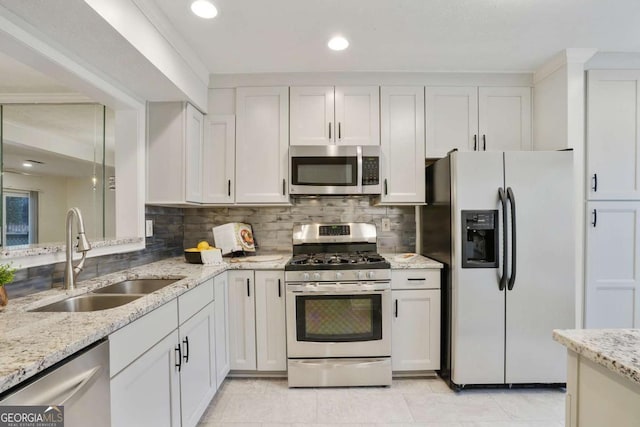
{"x": 480, "y": 239}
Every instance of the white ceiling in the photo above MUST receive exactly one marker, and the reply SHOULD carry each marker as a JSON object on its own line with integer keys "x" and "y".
{"x": 16, "y": 77}
{"x": 253, "y": 36}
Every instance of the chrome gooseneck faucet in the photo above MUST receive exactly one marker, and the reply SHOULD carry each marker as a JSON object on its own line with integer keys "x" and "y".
{"x": 83, "y": 245}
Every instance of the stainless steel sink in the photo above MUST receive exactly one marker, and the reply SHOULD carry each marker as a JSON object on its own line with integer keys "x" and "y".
{"x": 89, "y": 302}
{"x": 137, "y": 286}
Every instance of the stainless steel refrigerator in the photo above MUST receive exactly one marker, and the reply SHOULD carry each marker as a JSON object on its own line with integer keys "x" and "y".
{"x": 503, "y": 225}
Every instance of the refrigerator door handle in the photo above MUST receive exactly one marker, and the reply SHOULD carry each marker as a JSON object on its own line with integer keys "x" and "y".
{"x": 512, "y": 200}
{"x": 503, "y": 201}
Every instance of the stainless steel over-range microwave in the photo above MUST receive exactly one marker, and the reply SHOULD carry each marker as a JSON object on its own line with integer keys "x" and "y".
{"x": 334, "y": 169}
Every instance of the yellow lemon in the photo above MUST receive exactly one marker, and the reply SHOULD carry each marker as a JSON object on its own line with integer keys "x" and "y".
{"x": 204, "y": 245}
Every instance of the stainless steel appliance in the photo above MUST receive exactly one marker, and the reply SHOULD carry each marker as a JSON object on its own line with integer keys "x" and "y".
{"x": 80, "y": 385}
{"x": 338, "y": 307}
{"x": 334, "y": 169}
{"x": 503, "y": 225}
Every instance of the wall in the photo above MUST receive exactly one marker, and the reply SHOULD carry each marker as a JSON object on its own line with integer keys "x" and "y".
{"x": 272, "y": 226}
{"x": 166, "y": 242}
{"x": 550, "y": 111}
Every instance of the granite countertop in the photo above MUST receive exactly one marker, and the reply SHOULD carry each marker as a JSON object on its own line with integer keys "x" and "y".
{"x": 410, "y": 260}
{"x": 614, "y": 349}
{"x": 33, "y": 341}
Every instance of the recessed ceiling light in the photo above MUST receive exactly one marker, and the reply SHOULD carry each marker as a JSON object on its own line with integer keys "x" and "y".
{"x": 27, "y": 164}
{"x": 204, "y": 9}
{"x": 338, "y": 43}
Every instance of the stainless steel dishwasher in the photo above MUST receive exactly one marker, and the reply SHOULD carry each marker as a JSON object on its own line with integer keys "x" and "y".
{"x": 80, "y": 384}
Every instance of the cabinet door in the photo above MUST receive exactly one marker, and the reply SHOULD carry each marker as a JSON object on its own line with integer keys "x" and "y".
{"x": 613, "y": 113}
{"x": 402, "y": 144}
{"x": 165, "y": 153}
{"x": 242, "y": 321}
{"x": 271, "y": 336}
{"x": 504, "y": 118}
{"x": 218, "y": 159}
{"x": 147, "y": 392}
{"x": 415, "y": 335}
{"x": 194, "y": 130}
{"x": 452, "y": 120}
{"x": 221, "y": 302}
{"x": 312, "y": 121}
{"x": 612, "y": 283}
{"x": 198, "y": 372}
{"x": 262, "y": 143}
{"x": 357, "y": 110}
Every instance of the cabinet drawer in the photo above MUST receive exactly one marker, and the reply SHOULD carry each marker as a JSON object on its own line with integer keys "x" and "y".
{"x": 194, "y": 300}
{"x": 128, "y": 343}
{"x": 419, "y": 278}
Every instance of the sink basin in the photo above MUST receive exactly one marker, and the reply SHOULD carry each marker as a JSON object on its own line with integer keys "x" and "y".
{"x": 89, "y": 302}
{"x": 137, "y": 286}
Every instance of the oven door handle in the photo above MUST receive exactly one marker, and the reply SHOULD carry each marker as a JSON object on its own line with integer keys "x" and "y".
{"x": 337, "y": 289}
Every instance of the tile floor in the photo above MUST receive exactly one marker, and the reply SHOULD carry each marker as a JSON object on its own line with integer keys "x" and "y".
{"x": 408, "y": 402}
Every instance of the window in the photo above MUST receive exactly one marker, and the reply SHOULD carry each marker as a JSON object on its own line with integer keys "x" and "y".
{"x": 20, "y": 221}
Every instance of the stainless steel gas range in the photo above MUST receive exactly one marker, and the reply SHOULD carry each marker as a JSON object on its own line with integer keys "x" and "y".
{"x": 338, "y": 307}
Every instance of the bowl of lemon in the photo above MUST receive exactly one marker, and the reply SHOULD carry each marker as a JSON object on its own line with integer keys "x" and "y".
{"x": 195, "y": 255}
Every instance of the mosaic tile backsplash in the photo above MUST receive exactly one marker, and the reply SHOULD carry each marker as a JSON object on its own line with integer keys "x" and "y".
{"x": 272, "y": 226}
{"x": 177, "y": 228}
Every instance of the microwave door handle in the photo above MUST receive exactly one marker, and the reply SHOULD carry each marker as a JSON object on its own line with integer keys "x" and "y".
{"x": 359, "y": 177}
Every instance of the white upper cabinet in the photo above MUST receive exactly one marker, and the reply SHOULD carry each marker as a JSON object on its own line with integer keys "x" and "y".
{"x": 613, "y": 155}
{"x": 193, "y": 144}
{"x": 452, "y": 119}
{"x": 504, "y": 122}
{"x": 312, "y": 115}
{"x": 218, "y": 159}
{"x": 402, "y": 144}
{"x": 262, "y": 143}
{"x": 477, "y": 119}
{"x": 174, "y": 153}
{"x": 347, "y": 115}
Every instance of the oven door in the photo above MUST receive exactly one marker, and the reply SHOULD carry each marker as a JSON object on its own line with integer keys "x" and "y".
{"x": 339, "y": 320}
{"x": 325, "y": 169}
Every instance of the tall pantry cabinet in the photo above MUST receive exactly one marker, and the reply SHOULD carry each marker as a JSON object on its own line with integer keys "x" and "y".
{"x": 612, "y": 285}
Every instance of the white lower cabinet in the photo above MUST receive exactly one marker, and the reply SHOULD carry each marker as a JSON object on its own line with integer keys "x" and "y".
{"x": 221, "y": 295}
{"x": 415, "y": 334}
{"x": 166, "y": 381}
{"x": 147, "y": 392}
{"x": 242, "y": 321}
{"x": 271, "y": 334}
{"x": 257, "y": 329}
{"x": 198, "y": 367}
{"x": 612, "y": 279}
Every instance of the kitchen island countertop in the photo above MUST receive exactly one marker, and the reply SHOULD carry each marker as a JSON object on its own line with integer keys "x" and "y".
{"x": 615, "y": 349}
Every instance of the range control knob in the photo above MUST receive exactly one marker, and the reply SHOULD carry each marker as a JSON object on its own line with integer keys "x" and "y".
{"x": 339, "y": 275}
{"x": 316, "y": 276}
{"x": 305, "y": 276}
{"x": 371, "y": 275}
{"x": 361, "y": 275}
